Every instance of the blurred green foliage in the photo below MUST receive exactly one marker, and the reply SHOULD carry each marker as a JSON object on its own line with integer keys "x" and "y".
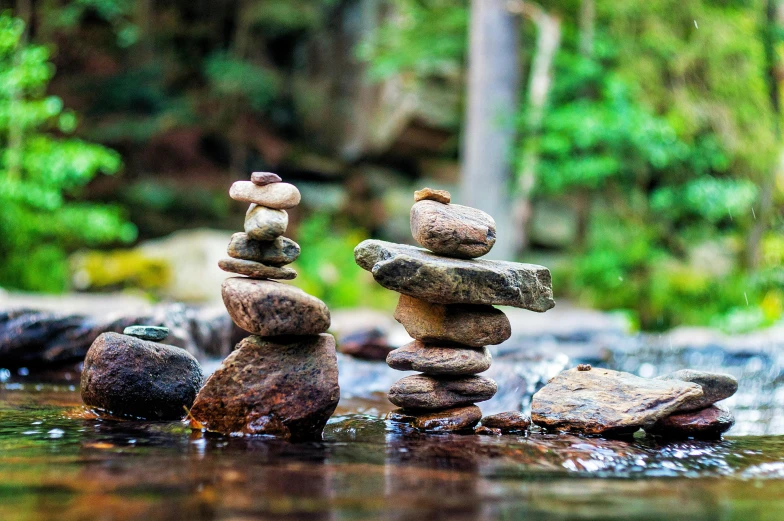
{"x": 41, "y": 170}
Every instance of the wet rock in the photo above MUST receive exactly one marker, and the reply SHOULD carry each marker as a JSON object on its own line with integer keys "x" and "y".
{"x": 452, "y": 230}
{"x": 487, "y": 431}
{"x": 715, "y": 386}
{"x": 430, "y": 392}
{"x": 286, "y": 387}
{"x": 256, "y": 270}
{"x": 152, "y": 333}
{"x": 278, "y": 252}
{"x": 601, "y": 401}
{"x": 710, "y": 422}
{"x": 280, "y": 196}
{"x": 400, "y": 415}
{"x": 366, "y": 344}
{"x": 265, "y": 224}
{"x": 511, "y": 421}
{"x": 436, "y": 360}
{"x": 449, "y": 420}
{"x": 132, "y": 377}
{"x": 264, "y": 178}
{"x": 431, "y": 194}
{"x": 268, "y": 308}
{"x": 472, "y": 325}
{"x": 420, "y": 274}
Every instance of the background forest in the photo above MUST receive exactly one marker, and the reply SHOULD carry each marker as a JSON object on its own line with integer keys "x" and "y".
{"x": 640, "y": 153}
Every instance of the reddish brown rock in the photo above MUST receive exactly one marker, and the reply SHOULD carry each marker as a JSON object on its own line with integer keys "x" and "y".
{"x": 601, "y": 401}
{"x": 430, "y": 392}
{"x": 128, "y": 376}
{"x": 278, "y": 252}
{"x": 436, "y": 360}
{"x": 255, "y": 270}
{"x": 452, "y": 230}
{"x": 456, "y": 419}
{"x": 431, "y": 194}
{"x": 268, "y": 308}
{"x": 284, "y": 387}
{"x": 511, "y": 421}
{"x": 710, "y": 422}
{"x": 487, "y": 431}
{"x": 264, "y": 178}
{"x": 471, "y": 325}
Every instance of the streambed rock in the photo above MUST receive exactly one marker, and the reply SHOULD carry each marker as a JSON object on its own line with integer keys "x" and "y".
{"x": 420, "y": 274}
{"x": 710, "y": 422}
{"x": 512, "y": 421}
{"x": 715, "y": 386}
{"x": 265, "y": 224}
{"x": 452, "y": 230}
{"x": 472, "y": 325}
{"x": 284, "y": 387}
{"x": 128, "y": 376}
{"x": 436, "y": 360}
{"x": 256, "y": 270}
{"x": 601, "y": 401}
{"x": 268, "y": 308}
{"x": 278, "y": 252}
{"x": 430, "y": 392}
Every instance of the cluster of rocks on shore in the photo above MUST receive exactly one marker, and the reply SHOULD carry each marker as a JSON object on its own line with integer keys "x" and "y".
{"x": 446, "y": 305}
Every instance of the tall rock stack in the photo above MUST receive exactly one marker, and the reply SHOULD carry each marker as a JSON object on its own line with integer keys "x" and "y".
{"x": 283, "y": 379}
{"x": 446, "y": 305}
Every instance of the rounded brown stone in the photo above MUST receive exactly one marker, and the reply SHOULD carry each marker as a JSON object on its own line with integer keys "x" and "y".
{"x": 471, "y": 325}
{"x": 437, "y": 360}
{"x": 430, "y": 392}
{"x": 265, "y": 224}
{"x": 710, "y": 422}
{"x": 278, "y": 252}
{"x": 264, "y": 178}
{"x": 128, "y": 376}
{"x": 487, "y": 431}
{"x": 255, "y": 270}
{"x": 431, "y": 194}
{"x": 452, "y": 230}
{"x": 276, "y": 195}
{"x": 268, "y": 308}
{"x": 284, "y": 387}
{"x": 511, "y": 421}
{"x": 449, "y": 420}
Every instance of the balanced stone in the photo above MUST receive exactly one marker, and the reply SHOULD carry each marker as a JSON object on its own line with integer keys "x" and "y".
{"x": 429, "y": 392}
{"x": 511, "y": 421}
{"x": 431, "y": 194}
{"x": 264, "y": 178}
{"x": 601, "y": 401}
{"x": 710, "y": 422}
{"x": 131, "y": 377}
{"x": 278, "y": 252}
{"x": 434, "y": 360}
{"x": 268, "y": 308}
{"x": 287, "y": 387}
{"x": 472, "y": 325}
{"x": 715, "y": 386}
{"x": 275, "y": 195}
{"x": 256, "y": 270}
{"x": 420, "y": 274}
{"x": 265, "y": 224}
{"x": 152, "y": 333}
{"x": 452, "y": 229}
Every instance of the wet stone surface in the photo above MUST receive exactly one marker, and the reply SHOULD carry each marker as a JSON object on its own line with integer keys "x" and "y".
{"x": 511, "y": 421}
{"x": 710, "y": 422}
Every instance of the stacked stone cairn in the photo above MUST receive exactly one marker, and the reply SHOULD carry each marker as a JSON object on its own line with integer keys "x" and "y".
{"x": 446, "y": 305}
{"x": 282, "y": 380}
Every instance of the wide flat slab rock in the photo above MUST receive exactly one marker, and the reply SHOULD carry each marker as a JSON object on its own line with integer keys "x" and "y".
{"x": 420, "y": 274}
{"x": 602, "y": 401}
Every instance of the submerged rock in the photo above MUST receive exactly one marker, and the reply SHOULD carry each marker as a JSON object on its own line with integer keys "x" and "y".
{"x": 715, "y": 386}
{"x": 256, "y": 270}
{"x": 286, "y": 387}
{"x": 268, "y": 308}
{"x": 437, "y": 360}
{"x": 449, "y": 420}
{"x": 511, "y": 421}
{"x": 710, "y": 422}
{"x": 420, "y": 274}
{"x": 278, "y": 252}
{"x": 430, "y": 392}
{"x": 265, "y": 224}
{"x": 472, "y": 325}
{"x": 452, "y": 230}
{"x": 280, "y": 196}
{"x": 431, "y": 194}
{"x": 131, "y": 377}
{"x": 601, "y": 401}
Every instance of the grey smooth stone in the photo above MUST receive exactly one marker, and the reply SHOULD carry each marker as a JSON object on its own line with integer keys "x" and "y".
{"x": 715, "y": 386}
{"x": 153, "y": 333}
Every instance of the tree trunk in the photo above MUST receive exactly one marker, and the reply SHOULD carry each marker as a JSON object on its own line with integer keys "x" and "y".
{"x": 493, "y": 87}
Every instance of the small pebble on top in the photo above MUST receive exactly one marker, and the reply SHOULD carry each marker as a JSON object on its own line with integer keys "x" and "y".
{"x": 153, "y": 333}
{"x": 442, "y": 196}
{"x": 264, "y": 178}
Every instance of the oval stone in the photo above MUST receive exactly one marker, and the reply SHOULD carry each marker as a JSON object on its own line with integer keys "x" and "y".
{"x": 512, "y": 421}
{"x": 275, "y": 195}
{"x": 278, "y": 252}
{"x": 265, "y": 224}
{"x": 710, "y": 422}
{"x": 430, "y": 392}
{"x": 268, "y": 308}
{"x": 449, "y": 420}
{"x": 452, "y": 230}
{"x": 456, "y": 361}
{"x": 264, "y": 178}
{"x": 256, "y": 270}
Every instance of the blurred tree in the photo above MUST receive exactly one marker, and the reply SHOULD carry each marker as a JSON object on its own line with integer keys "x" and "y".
{"x": 40, "y": 170}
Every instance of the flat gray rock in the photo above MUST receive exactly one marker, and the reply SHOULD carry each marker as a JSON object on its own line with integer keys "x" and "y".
{"x": 715, "y": 386}
{"x": 256, "y": 270}
{"x": 420, "y": 391}
{"x": 278, "y": 252}
{"x": 152, "y": 333}
{"x": 420, "y": 274}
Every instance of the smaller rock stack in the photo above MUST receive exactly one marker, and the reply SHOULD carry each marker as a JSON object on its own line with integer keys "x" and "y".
{"x": 446, "y": 305}
{"x": 283, "y": 379}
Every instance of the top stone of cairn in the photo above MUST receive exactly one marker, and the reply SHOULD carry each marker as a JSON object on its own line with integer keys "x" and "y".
{"x": 264, "y": 178}
{"x": 431, "y": 194}
{"x": 452, "y": 230}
